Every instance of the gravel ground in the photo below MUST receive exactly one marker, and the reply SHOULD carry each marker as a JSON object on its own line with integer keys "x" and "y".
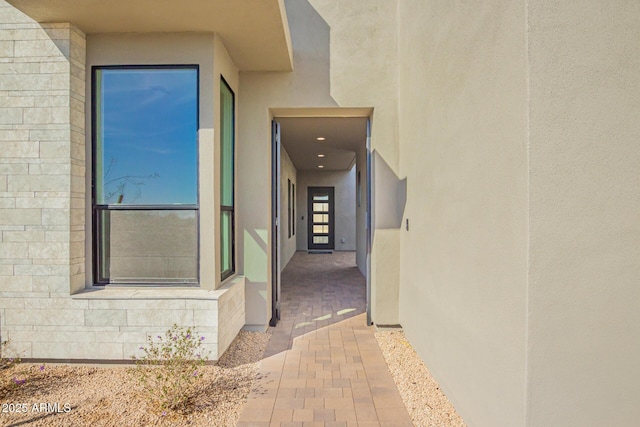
{"x": 426, "y": 403}
{"x": 107, "y": 396}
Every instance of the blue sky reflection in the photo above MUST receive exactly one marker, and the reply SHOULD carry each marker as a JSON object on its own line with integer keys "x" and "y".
{"x": 147, "y": 136}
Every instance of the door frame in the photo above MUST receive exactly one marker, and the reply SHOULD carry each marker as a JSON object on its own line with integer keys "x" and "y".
{"x": 366, "y": 112}
{"x": 368, "y": 221}
{"x": 275, "y": 223}
{"x": 332, "y": 219}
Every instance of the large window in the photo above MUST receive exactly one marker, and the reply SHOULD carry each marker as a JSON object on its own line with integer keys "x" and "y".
{"x": 227, "y": 217}
{"x": 145, "y": 174}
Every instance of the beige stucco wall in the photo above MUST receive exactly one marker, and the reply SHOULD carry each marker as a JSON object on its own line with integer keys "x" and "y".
{"x": 388, "y": 201}
{"x": 344, "y": 183}
{"x": 288, "y": 174}
{"x": 463, "y": 133}
{"x": 518, "y": 127}
{"x": 344, "y": 56}
{"x": 584, "y": 262}
{"x": 361, "y": 210}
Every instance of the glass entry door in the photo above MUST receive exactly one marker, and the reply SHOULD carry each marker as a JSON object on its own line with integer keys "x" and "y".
{"x": 321, "y": 218}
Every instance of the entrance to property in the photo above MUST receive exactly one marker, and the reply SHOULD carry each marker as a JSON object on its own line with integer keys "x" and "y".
{"x": 321, "y": 212}
{"x": 321, "y": 204}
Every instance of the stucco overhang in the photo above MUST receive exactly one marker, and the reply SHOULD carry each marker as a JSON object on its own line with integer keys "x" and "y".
{"x": 255, "y": 32}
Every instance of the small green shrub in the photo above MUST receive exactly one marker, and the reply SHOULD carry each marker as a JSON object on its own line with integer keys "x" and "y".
{"x": 170, "y": 367}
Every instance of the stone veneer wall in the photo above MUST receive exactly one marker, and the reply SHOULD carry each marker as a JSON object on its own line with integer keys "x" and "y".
{"x": 116, "y": 321}
{"x": 42, "y": 167}
{"x": 45, "y": 311}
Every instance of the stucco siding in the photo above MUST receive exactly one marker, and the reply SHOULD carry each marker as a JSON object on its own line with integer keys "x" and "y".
{"x": 463, "y": 133}
{"x": 584, "y": 316}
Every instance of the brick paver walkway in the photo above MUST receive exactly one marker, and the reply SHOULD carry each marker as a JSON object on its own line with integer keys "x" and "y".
{"x": 323, "y": 366}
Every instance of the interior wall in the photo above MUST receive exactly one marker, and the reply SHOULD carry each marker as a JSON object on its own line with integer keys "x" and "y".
{"x": 344, "y": 183}
{"x": 345, "y": 55}
{"x": 463, "y": 133}
{"x": 584, "y": 298}
{"x": 288, "y": 174}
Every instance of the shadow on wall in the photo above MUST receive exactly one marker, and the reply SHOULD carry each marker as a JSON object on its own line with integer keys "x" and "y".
{"x": 255, "y": 257}
{"x": 59, "y": 36}
{"x": 307, "y": 86}
{"x": 389, "y": 198}
{"x": 310, "y": 40}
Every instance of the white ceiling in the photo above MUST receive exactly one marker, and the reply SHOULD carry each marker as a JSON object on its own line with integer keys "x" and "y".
{"x": 344, "y": 136}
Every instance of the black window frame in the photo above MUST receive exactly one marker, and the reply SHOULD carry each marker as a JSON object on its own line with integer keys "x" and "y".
{"x": 96, "y": 208}
{"x": 289, "y": 206}
{"x": 225, "y": 274}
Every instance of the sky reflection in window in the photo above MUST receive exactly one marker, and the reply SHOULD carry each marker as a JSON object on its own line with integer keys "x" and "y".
{"x": 146, "y": 136}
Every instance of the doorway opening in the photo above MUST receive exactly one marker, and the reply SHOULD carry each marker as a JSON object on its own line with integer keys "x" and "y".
{"x": 321, "y": 219}
{"x": 321, "y": 192}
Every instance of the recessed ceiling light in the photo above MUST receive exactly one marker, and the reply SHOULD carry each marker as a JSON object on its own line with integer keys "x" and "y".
{"x": 320, "y": 155}
{"x": 321, "y": 138}
{"x": 320, "y": 166}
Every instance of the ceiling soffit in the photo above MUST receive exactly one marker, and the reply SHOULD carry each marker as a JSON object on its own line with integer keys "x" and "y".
{"x": 255, "y": 32}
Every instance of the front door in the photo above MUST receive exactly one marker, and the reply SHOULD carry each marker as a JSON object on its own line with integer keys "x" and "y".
{"x": 321, "y": 218}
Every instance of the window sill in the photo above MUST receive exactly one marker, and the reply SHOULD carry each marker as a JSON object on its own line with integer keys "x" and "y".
{"x": 174, "y": 293}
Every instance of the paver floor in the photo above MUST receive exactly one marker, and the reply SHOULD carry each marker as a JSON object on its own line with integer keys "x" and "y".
{"x": 323, "y": 366}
